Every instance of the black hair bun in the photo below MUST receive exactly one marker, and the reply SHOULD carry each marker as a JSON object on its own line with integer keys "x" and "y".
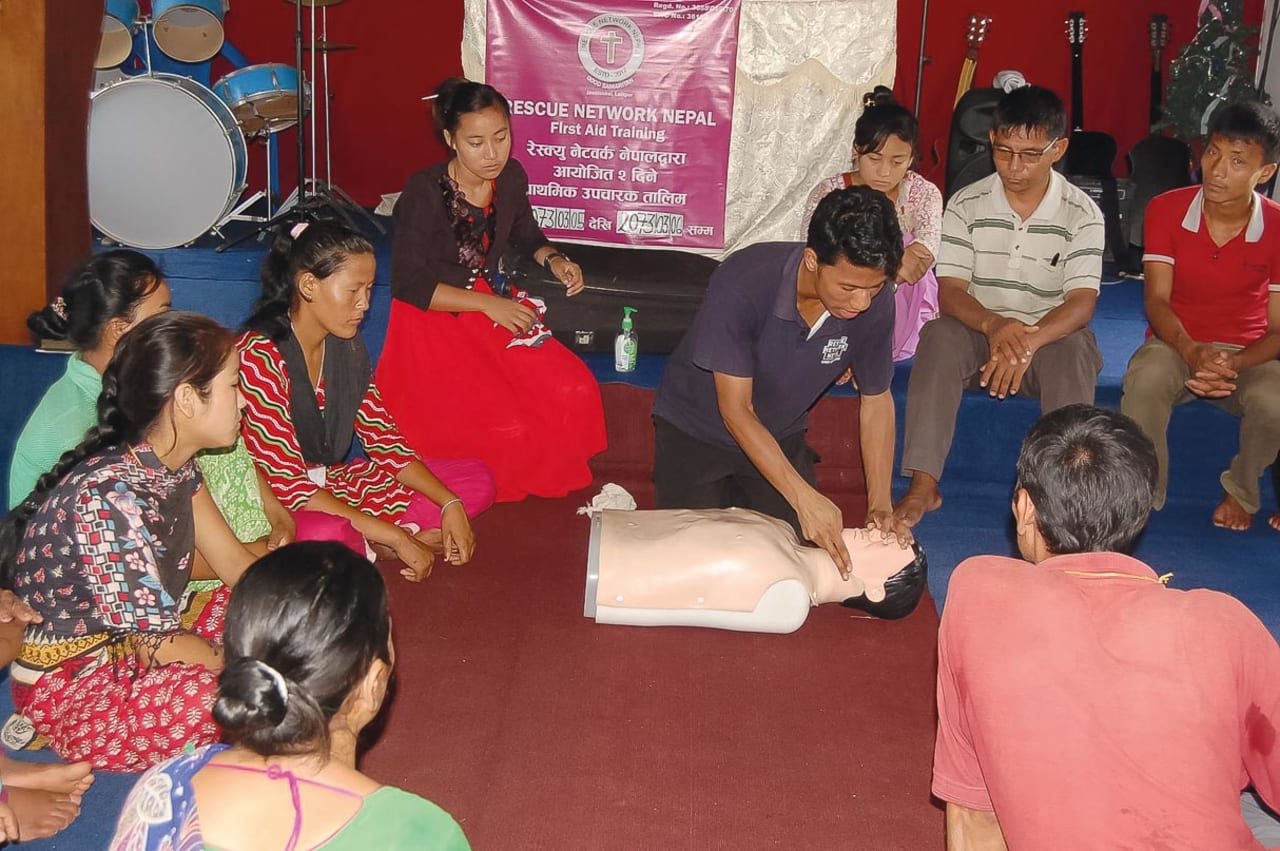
{"x": 47, "y": 324}
{"x": 249, "y": 698}
{"x": 879, "y": 96}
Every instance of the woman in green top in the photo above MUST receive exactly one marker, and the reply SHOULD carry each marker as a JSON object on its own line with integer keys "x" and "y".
{"x": 308, "y": 658}
{"x": 107, "y": 295}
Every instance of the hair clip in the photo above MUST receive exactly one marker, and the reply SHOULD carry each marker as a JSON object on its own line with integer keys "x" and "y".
{"x": 431, "y": 97}
{"x": 59, "y": 307}
{"x": 277, "y": 679}
{"x": 297, "y": 229}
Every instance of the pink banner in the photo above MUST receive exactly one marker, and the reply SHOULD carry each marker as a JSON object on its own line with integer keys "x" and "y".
{"x": 621, "y": 114}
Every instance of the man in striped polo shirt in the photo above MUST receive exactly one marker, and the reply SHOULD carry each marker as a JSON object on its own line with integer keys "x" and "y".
{"x": 1018, "y": 279}
{"x": 1212, "y": 294}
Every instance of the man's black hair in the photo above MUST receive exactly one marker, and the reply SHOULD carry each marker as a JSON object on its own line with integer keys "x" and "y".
{"x": 1092, "y": 476}
{"x": 860, "y": 225}
{"x": 1030, "y": 108}
{"x": 1248, "y": 121}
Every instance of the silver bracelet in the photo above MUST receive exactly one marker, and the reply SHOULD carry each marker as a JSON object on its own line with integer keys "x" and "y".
{"x": 451, "y": 502}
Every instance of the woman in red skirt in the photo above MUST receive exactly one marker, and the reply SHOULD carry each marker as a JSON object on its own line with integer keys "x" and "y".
{"x": 463, "y": 369}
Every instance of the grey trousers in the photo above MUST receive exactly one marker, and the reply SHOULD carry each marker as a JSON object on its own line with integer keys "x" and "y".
{"x": 949, "y": 359}
{"x": 1153, "y": 386}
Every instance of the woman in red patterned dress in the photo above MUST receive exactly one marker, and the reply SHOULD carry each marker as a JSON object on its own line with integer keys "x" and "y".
{"x": 456, "y": 369}
{"x": 307, "y": 381}
{"x": 103, "y": 548}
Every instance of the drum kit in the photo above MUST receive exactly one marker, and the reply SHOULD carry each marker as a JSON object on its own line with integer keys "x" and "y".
{"x": 167, "y": 155}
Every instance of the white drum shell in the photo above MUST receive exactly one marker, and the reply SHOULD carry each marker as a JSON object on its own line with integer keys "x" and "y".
{"x": 167, "y": 161}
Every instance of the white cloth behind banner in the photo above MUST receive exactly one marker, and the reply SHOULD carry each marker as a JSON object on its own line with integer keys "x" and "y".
{"x": 803, "y": 66}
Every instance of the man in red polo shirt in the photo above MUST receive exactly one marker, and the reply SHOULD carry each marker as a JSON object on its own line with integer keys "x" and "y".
{"x": 1212, "y": 296}
{"x": 1081, "y": 703}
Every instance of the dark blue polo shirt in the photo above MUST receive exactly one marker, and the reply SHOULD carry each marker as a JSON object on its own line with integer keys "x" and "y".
{"x": 749, "y": 326}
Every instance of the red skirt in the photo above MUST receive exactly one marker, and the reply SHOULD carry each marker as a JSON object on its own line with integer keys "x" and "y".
{"x": 533, "y": 415}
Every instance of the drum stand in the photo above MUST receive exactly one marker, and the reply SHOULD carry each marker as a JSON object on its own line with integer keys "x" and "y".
{"x": 313, "y": 199}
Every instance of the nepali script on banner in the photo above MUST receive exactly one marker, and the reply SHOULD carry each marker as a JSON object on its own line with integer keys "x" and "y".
{"x": 621, "y": 114}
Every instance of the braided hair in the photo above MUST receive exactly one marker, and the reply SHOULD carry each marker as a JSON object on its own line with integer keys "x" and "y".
{"x": 150, "y": 362}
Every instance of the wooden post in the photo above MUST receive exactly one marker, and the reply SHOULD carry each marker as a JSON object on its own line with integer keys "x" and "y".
{"x": 47, "y": 49}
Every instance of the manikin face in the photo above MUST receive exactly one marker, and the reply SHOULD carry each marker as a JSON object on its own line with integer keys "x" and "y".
{"x": 844, "y": 289}
{"x": 884, "y": 169}
{"x": 340, "y": 301}
{"x": 1232, "y": 168}
{"x": 217, "y": 418}
{"x": 1024, "y": 160}
{"x": 482, "y": 142}
{"x": 874, "y": 561}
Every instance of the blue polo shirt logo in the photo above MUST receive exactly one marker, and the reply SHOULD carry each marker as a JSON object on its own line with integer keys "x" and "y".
{"x": 834, "y": 349}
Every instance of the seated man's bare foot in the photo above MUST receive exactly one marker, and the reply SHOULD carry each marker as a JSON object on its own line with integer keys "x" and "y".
{"x": 40, "y": 813}
{"x": 1231, "y": 515}
{"x": 59, "y": 777}
{"x": 922, "y": 496}
{"x": 1274, "y": 522}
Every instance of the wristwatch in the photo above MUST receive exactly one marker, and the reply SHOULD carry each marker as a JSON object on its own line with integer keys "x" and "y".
{"x": 546, "y": 261}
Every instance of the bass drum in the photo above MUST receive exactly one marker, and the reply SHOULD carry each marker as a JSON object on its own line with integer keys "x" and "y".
{"x": 167, "y": 161}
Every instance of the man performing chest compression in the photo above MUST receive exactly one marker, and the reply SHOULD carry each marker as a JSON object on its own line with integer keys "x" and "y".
{"x": 780, "y": 323}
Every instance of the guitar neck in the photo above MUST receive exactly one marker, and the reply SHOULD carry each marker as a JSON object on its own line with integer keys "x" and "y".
{"x": 966, "y": 77}
{"x": 1077, "y": 87}
{"x": 1157, "y": 93}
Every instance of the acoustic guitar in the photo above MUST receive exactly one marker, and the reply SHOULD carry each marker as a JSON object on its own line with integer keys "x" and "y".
{"x": 1091, "y": 153}
{"x": 1157, "y": 163}
{"x": 973, "y": 40}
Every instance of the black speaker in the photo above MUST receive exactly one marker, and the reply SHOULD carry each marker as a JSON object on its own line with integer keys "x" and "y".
{"x": 968, "y": 146}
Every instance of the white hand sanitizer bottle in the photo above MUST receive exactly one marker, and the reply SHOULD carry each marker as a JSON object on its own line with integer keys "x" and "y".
{"x": 626, "y": 348}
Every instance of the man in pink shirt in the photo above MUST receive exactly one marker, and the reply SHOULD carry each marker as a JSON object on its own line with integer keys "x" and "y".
{"x": 1081, "y": 703}
{"x": 1212, "y": 296}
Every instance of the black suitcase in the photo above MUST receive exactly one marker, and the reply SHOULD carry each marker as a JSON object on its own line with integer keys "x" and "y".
{"x": 664, "y": 286}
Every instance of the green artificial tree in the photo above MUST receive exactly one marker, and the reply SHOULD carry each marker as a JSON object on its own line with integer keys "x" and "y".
{"x": 1215, "y": 67}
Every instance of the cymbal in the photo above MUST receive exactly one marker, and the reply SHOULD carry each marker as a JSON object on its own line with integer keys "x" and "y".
{"x": 328, "y": 46}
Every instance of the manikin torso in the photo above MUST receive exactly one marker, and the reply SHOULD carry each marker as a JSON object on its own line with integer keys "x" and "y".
{"x": 724, "y": 568}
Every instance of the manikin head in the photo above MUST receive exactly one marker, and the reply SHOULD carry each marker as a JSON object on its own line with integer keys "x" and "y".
{"x": 854, "y": 246}
{"x": 890, "y": 596}
{"x": 1086, "y": 481}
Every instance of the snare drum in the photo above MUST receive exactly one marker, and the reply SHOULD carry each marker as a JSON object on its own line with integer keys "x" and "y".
{"x": 167, "y": 161}
{"x": 118, "y": 26}
{"x": 264, "y": 98}
{"x": 188, "y": 30}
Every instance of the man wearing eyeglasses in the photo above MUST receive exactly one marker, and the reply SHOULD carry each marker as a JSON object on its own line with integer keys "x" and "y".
{"x": 1018, "y": 278}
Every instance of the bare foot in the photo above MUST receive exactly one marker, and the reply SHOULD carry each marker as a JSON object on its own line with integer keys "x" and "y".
{"x": 41, "y": 813}
{"x": 1231, "y": 515}
{"x": 59, "y": 777}
{"x": 1274, "y": 522}
{"x": 922, "y": 496}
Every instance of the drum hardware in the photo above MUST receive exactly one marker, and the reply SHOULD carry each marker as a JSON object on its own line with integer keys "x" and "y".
{"x": 313, "y": 199}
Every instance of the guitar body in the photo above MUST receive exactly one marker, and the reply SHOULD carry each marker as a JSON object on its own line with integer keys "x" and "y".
{"x": 1090, "y": 154}
{"x": 1157, "y": 164}
{"x": 969, "y": 145}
